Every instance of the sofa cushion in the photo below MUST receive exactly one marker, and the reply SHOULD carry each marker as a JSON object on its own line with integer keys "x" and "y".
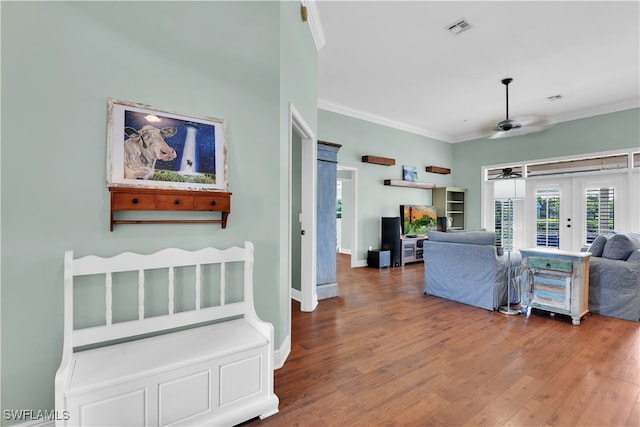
{"x": 619, "y": 247}
{"x": 597, "y": 246}
{"x": 634, "y": 257}
{"x": 466, "y": 237}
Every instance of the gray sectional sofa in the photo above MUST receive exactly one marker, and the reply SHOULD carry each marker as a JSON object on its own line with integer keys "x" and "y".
{"x": 466, "y": 267}
{"x": 614, "y": 276}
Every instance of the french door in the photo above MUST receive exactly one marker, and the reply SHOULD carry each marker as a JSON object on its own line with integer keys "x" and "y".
{"x": 549, "y": 213}
{"x": 567, "y": 213}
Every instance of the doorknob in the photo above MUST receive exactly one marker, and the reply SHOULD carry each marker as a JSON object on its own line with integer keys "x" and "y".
{"x": 302, "y": 232}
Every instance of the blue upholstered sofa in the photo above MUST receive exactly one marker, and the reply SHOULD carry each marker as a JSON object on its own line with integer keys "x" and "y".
{"x": 614, "y": 276}
{"x": 465, "y": 267}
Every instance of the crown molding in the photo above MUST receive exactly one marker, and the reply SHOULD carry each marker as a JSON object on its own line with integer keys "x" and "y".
{"x": 327, "y": 105}
{"x": 313, "y": 19}
{"x": 599, "y": 110}
{"x": 334, "y": 107}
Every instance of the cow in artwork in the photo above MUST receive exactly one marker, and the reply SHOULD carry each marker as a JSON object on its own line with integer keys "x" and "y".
{"x": 143, "y": 148}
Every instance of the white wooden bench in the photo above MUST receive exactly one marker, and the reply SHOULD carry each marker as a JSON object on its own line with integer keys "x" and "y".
{"x": 215, "y": 369}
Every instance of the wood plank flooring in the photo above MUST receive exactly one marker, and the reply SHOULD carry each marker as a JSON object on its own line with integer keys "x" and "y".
{"x": 384, "y": 354}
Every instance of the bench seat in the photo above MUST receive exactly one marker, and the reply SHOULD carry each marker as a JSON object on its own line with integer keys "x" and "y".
{"x": 208, "y": 365}
{"x": 94, "y": 369}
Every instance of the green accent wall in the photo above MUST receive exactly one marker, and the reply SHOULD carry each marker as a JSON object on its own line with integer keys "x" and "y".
{"x": 602, "y": 133}
{"x": 375, "y": 200}
{"x": 358, "y": 137}
{"x": 239, "y": 61}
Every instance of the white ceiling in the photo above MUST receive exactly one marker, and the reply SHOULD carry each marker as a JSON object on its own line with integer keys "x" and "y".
{"x": 395, "y": 63}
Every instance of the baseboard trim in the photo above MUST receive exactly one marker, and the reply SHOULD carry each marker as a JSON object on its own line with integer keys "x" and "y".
{"x": 281, "y": 354}
{"x": 36, "y": 423}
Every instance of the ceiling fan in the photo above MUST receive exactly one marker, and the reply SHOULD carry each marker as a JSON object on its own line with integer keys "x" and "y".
{"x": 523, "y": 126}
{"x": 509, "y": 173}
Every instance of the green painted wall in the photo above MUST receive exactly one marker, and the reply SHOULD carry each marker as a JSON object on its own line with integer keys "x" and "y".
{"x": 298, "y": 86}
{"x": 60, "y": 63}
{"x": 359, "y": 138}
{"x": 595, "y": 134}
{"x": 590, "y": 135}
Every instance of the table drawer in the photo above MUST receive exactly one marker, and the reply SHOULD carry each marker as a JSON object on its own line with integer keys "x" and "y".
{"x": 133, "y": 201}
{"x": 551, "y": 264}
{"x": 174, "y": 202}
{"x": 213, "y": 202}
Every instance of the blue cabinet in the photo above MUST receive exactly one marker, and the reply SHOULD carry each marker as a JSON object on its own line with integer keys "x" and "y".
{"x": 326, "y": 240}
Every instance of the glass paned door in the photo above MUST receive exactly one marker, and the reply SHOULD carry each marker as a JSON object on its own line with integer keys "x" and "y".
{"x": 548, "y": 218}
{"x": 548, "y": 214}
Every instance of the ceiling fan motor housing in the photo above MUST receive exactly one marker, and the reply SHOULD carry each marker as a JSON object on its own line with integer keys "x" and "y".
{"x": 507, "y": 125}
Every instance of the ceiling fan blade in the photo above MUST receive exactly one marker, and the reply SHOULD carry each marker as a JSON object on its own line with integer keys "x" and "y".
{"x": 530, "y": 124}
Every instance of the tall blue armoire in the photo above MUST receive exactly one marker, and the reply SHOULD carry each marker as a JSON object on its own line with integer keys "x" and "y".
{"x": 327, "y": 285}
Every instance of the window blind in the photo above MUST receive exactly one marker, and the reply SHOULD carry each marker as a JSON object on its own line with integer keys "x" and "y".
{"x": 600, "y": 212}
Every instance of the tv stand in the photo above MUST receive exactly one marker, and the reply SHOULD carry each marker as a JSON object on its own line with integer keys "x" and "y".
{"x": 411, "y": 248}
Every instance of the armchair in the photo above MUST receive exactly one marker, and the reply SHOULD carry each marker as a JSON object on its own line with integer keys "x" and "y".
{"x": 465, "y": 267}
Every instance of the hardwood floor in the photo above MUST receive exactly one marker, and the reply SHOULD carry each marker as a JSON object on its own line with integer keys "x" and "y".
{"x": 382, "y": 354}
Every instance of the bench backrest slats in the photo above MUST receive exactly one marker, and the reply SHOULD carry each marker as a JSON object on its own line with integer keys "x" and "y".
{"x": 140, "y": 294}
{"x": 198, "y": 286}
{"x": 171, "y": 291}
{"x": 99, "y": 334}
{"x": 223, "y": 283}
{"x": 167, "y": 259}
{"x": 108, "y": 298}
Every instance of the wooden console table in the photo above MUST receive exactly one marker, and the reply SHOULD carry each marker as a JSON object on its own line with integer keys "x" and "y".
{"x": 556, "y": 281}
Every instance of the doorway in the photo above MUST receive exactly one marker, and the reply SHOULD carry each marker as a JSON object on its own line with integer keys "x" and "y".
{"x": 302, "y": 212}
{"x": 348, "y": 180}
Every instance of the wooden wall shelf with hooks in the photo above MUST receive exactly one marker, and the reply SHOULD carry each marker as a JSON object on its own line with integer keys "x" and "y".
{"x": 155, "y": 199}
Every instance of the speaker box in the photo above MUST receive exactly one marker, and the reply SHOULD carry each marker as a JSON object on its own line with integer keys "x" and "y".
{"x": 442, "y": 223}
{"x": 391, "y": 238}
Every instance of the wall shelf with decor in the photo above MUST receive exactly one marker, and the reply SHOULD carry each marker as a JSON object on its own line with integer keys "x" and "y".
{"x": 376, "y": 160}
{"x": 153, "y": 199}
{"x": 410, "y": 184}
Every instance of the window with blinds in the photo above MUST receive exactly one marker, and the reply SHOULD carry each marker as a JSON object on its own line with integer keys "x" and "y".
{"x": 600, "y": 212}
{"x": 503, "y": 210}
{"x": 548, "y": 218}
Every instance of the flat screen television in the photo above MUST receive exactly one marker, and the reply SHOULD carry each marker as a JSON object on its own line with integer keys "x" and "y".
{"x": 418, "y": 219}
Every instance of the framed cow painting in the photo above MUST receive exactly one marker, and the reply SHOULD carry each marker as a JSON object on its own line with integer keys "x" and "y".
{"x": 155, "y": 148}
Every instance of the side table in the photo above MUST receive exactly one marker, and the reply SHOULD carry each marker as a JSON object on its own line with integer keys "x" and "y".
{"x": 556, "y": 281}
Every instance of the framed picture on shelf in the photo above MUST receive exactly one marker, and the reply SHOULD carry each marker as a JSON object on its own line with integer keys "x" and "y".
{"x": 409, "y": 173}
{"x": 155, "y": 148}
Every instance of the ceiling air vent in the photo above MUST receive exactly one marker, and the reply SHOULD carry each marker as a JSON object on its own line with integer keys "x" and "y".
{"x": 459, "y": 26}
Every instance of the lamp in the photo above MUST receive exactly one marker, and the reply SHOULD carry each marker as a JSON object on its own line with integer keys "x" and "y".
{"x": 509, "y": 189}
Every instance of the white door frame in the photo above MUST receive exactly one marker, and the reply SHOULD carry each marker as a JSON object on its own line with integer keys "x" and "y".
{"x": 307, "y": 296}
{"x": 353, "y": 212}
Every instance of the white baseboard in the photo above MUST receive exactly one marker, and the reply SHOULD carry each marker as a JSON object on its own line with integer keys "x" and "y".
{"x": 36, "y": 423}
{"x": 281, "y": 354}
{"x": 344, "y": 251}
{"x": 360, "y": 263}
